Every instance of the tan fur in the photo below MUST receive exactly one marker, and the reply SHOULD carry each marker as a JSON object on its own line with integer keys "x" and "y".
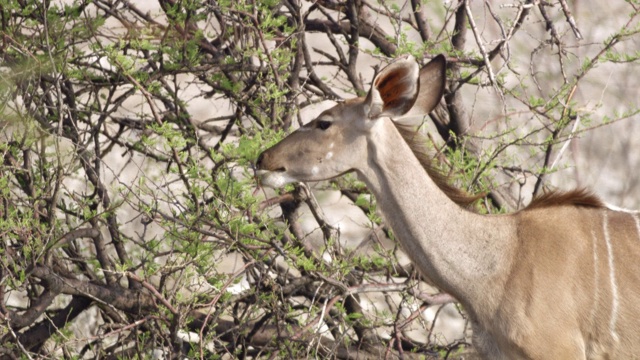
{"x": 558, "y": 280}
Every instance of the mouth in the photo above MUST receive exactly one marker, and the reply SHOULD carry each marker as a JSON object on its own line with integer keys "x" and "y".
{"x": 275, "y": 178}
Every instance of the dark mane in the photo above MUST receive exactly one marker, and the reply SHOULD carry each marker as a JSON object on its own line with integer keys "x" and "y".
{"x": 416, "y": 142}
{"x": 576, "y": 197}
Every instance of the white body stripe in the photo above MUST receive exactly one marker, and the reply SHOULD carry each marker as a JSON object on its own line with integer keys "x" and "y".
{"x": 636, "y": 218}
{"x": 624, "y": 210}
{"x": 612, "y": 277}
{"x": 596, "y": 276}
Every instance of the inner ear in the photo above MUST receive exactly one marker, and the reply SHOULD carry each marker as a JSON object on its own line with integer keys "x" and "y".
{"x": 395, "y": 89}
{"x": 398, "y": 91}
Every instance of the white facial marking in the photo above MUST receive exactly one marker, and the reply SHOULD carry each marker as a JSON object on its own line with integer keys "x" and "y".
{"x": 315, "y": 170}
{"x": 612, "y": 278}
{"x": 329, "y": 155}
{"x": 274, "y": 179}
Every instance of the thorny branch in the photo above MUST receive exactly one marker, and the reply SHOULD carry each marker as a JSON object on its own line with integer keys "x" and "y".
{"x": 120, "y": 200}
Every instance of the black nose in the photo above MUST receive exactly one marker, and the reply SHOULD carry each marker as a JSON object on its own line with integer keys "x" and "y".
{"x": 259, "y": 161}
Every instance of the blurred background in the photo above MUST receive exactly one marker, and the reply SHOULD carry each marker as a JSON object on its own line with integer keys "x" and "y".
{"x": 131, "y": 220}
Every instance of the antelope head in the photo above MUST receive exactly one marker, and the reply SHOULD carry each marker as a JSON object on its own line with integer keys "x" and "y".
{"x": 336, "y": 141}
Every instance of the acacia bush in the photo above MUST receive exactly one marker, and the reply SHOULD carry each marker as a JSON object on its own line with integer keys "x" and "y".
{"x": 131, "y": 222}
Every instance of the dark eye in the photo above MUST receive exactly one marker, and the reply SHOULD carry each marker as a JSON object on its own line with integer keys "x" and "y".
{"x": 323, "y": 124}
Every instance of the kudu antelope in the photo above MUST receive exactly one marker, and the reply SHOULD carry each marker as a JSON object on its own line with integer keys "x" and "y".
{"x": 557, "y": 280}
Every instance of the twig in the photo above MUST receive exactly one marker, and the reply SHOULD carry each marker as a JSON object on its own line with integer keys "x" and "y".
{"x": 505, "y": 36}
{"x": 328, "y": 230}
{"x": 483, "y": 51}
{"x": 221, "y": 292}
{"x": 566, "y": 144}
{"x": 421, "y": 20}
{"x": 312, "y": 323}
{"x": 17, "y": 341}
{"x": 570, "y": 19}
{"x": 154, "y": 291}
{"x": 430, "y": 299}
{"x": 275, "y": 201}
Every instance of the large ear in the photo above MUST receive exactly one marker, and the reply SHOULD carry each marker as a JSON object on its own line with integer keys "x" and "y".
{"x": 432, "y": 80}
{"x": 395, "y": 89}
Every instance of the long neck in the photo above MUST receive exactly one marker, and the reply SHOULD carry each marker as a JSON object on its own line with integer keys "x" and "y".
{"x": 463, "y": 253}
